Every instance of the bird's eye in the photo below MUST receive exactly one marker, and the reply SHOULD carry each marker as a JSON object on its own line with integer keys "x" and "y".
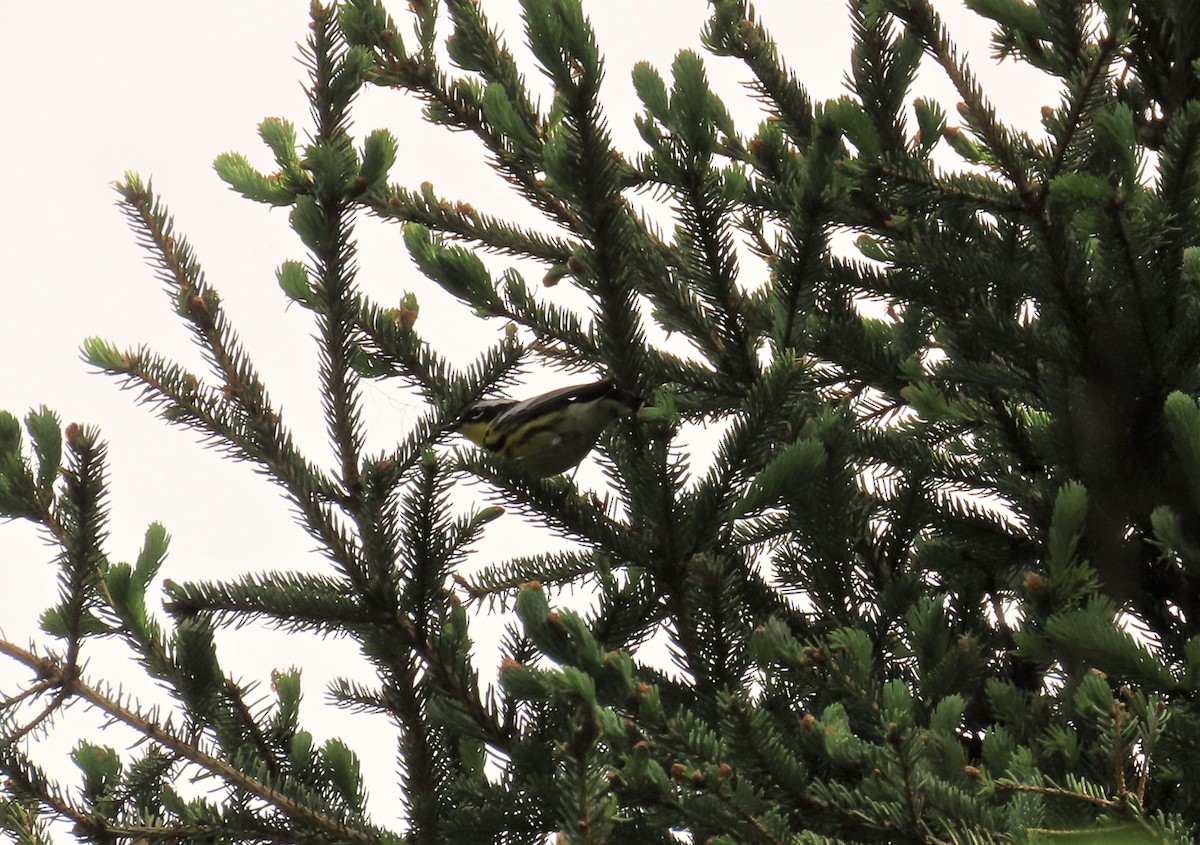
{"x": 473, "y": 414}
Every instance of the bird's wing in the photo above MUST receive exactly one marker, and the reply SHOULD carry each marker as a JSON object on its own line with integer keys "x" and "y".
{"x": 576, "y": 393}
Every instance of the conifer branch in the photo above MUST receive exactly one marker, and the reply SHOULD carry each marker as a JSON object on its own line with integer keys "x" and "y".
{"x": 1057, "y": 792}
{"x": 335, "y": 75}
{"x": 1084, "y": 99}
{"x": 75, "y": 687}
{"x": 450, "y": 107}
{"x": 920, "y": 15}
{"x": 463, "y": 221}
{"x": 28, "y": 783}
{"x": 734, "y": 30}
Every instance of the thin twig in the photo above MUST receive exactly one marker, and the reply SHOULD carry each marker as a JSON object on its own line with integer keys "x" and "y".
{"x": 1055, "y": 792}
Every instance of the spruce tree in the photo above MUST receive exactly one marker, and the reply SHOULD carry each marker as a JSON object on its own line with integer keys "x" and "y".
{"x": 937, "y": 581}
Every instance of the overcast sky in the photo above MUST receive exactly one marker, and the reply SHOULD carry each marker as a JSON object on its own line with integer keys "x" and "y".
{"x": 95, "y": 89}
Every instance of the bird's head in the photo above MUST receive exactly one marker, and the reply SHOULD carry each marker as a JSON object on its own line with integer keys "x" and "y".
{"x": 474, "y": 423}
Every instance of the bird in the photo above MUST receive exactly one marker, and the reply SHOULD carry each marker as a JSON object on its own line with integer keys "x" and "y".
{"x": 550, "y": 433}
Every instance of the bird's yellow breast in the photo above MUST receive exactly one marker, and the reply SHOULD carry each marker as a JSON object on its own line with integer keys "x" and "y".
{"x": 475, "y": 430}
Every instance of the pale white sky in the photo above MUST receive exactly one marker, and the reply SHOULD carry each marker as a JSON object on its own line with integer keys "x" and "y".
{"x": 94, "y": 90}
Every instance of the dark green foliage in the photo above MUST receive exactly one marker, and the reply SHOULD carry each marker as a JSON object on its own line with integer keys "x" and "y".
{"x": 934, "y": 574}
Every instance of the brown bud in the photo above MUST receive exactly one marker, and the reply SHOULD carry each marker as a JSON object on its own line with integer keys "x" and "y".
{"x": 74, "y": 434}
